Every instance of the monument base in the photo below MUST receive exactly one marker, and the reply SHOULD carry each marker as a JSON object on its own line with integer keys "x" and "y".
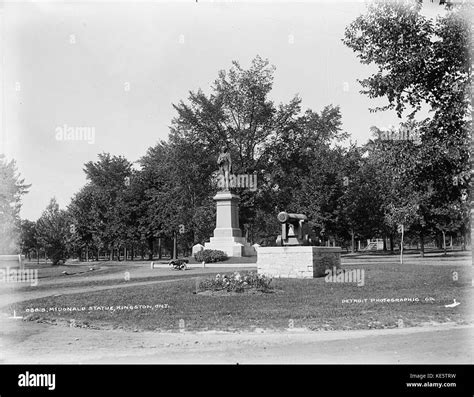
{"x": 297, "y": 261}
{"x": 232, "y": 246}
{"x": 227, "y": 234}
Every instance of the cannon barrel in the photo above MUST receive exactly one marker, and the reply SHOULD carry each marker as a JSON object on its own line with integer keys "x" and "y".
{"x": 284, "y": 217}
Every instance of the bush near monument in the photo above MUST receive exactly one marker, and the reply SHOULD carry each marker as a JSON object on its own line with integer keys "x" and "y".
{"x": 210, "y": 256}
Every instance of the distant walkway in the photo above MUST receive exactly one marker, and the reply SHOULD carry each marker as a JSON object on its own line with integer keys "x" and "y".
{"x": 457, "y": 258}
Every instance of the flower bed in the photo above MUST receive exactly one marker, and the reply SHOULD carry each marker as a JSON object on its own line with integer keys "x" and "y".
{"x": 236, "y": 282}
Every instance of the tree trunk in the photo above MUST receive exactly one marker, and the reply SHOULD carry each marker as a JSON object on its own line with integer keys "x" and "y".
{"x": 401, "y": 244}
{"x": 422, "y": 245}
{"x": 175, "y": 246}
{"x": 150, "y": 249}
{"x": 159, "y": 248}
{"x": 391, "y": 243}
{"x": 444, "y": 242}
{"x": 352, "y": 241}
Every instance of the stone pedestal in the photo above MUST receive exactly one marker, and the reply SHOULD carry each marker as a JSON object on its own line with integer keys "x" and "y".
{"x": 197, "y": 248}
{"x": 297, "y": 261}
{"x": 227, "y": 234}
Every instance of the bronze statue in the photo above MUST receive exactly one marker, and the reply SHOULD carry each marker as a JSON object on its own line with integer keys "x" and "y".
{"x": 224, "y": 162}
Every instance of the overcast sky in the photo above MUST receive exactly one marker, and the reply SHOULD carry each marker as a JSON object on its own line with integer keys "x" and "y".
{"x": 118, "y": 67}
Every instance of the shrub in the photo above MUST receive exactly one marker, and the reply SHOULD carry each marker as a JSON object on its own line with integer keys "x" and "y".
{"x": 210, "y": 256}
{"x": 57, "y": 254}
{"x": 237, "y": 282}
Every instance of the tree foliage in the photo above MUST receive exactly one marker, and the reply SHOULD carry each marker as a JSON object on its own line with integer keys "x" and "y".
{"x": 12, "y": 187}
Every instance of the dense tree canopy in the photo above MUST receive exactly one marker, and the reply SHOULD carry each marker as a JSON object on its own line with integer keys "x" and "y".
{"x": 422, "y": 63}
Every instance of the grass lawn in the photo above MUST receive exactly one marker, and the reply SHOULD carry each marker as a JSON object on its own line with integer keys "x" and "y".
{"x": 89, "y": 282}
{"x": 312, "y": 303}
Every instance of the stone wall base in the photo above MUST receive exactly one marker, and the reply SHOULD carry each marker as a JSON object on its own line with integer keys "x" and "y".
{"x": 297, "y": 261}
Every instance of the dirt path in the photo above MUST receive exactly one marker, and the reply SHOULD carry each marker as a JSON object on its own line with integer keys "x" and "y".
{"x": 41, "y": 343}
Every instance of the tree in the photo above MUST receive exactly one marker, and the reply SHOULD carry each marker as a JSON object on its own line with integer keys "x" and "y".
{"x": 53, "y": 231}
{"x": 419, "y": 61}
{"x": 422, "y": 63}
{"x": 298, "y": 161}
{"x": 85, "y": 210}
{"x": 109, "y": 176}
{"x": 178, "y": 183}
{"x": 12, "y": 187}
{"x": 403, "y": 217}
{"x": 28, "y": 238}
{"x": 237, "y": 113}
{"x": 364, "y": 184}
{"x": 450, "y": 218}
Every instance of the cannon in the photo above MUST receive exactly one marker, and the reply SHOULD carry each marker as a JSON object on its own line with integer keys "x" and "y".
{"x": 179, "y": 264}
{"x": 293, "y": 229}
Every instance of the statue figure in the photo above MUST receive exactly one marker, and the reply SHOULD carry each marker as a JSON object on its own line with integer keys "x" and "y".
{"x": 225, "y": 167}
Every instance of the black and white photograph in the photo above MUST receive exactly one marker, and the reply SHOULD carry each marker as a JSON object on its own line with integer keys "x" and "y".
{"x": 236, "y": 182}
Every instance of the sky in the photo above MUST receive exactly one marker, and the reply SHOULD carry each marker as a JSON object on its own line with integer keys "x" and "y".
{"x": 117, "y": 68}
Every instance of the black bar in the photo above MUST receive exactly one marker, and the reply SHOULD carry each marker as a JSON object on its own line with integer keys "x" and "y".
{"x": 315, "y": 380}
